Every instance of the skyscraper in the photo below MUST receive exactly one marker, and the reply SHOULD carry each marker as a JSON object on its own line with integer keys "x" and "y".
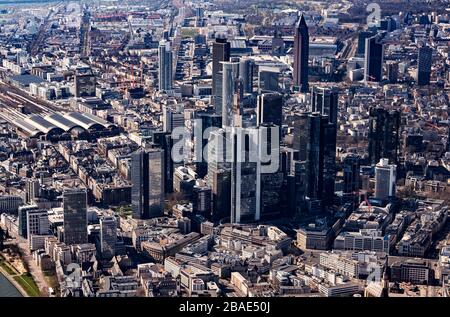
{"x": 301, "y": 55}
{"x": 325, "y": 101}
{"x": 75, "y": 216}
{"x": 351, "y": 169}
{"x": 385, "y": 178}
{"x": 164, "y": 141}
{"x": 147, "y": 177}
{"x": 246, "y": 74}
{"x": 230, "y": 77}
{"x": 208, "y": 121}
{"x": 270, "y": 108}
{"x": 245, "y": 178}
{"x": 301, "y": 134}
{"x": 219, "y": 173}
{"x": 272, "y": 182}
{"x": 373, "y": 63}
{"x": 424, "y": 60}
{"x": 165, "y": 70}
{"x": 384, "y": 132}
{"x": 392, "y": 71}
{"x": 108, "y": 236}
{"x": 218, "y": 153}
{"x": 32, "y": 189}
{"x": 221, "y": 193}
{"x": 220, "y": 53}
{"x": 201, "y": 199}
{"x": 317, "y": 154}
{"x": 362, "y": 36}
{"x": 172, "y": 119}
{"x": 268, "y": 78}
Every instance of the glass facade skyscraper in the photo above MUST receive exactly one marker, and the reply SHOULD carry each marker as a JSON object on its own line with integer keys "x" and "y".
{"x": 75, "y": 216}
{"x": 147, "y": 177}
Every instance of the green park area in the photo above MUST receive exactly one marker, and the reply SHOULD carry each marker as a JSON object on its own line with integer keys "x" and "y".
{"x": 6, "y": 267}
{"x": 28, "y": 284}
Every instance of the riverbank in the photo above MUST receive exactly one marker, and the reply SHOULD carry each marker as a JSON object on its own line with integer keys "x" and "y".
{"x": 13, "y": 282}
{"x": 22, "y": 281}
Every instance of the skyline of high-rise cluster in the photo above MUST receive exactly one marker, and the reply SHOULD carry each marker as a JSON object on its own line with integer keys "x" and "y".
{"x": 181, "y": 149}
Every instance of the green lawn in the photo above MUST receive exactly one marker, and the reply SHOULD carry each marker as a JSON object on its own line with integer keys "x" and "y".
{"x": 28, "y": 284}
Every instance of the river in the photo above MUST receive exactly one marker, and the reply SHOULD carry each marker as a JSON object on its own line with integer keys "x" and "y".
{"x": 7, "y": 289}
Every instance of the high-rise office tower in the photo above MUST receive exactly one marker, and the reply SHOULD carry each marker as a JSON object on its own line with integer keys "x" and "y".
{"x": 221, "y": 193}
{"x": 245, "y": 178}
{"x": 301, "y": 134}
{"x": 165, "y": 70}
{"x": 218, "y": 153}
{"x": 230, "y": 77}
{"x": 385, "y": 178}
{"x": 219, "y": 173}
{"x": 268, "y": 78}
{"x": 108, "y": 236}
{"x": 317, "y": 154}
{"x": 384, "y": 133}
{"x": 270, "y": 108}
{"x": 362, "y": 36}
{"x": 23, "y": 220}
{"x": 301, "y": 55}
{"x": 373, "y": 59}
{"x": 208, "y": 122}
{"x": 220, "y": 53}
{"x": 75, "y": 216}
{"x": 272, "y": 182}
{"x": 172, "y": 119}
{"x": 201, "y": 199}
{"x": 246, "y": 74}
{"x": 392, "y": 71}
{"x": 164, "y": 141}
{"x": 37, "y": 222}
{"x": 147, "y": 177}
{"x": 424, "y": 65}
{"x": 32, "y": 189}
{"x": 351, "y": 169}
{"x": 325, "y": 101}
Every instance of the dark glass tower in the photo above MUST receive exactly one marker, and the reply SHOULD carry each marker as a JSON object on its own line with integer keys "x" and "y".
{"x": 75, "y": 216}
{"x": 373, "y": 63}
{"x": 384, "y": 131}
{"x": 362, "y": 36}
{"x": 301, "y": 55}
{"x": 147, "y": 177}
{"x": 270, "y": 108}
{"x": 351, "y": 174}
{"x": 246, "y": 74}
{"x": 165, "y": 71}
{"x": 164, "y": 141}
{"x": 208, "y": 121}
{"x": 220, "y": 53}
{"x": 424, "y": 65}
{"x": 325, "y": 101}
{"x": 316, "y": 167}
